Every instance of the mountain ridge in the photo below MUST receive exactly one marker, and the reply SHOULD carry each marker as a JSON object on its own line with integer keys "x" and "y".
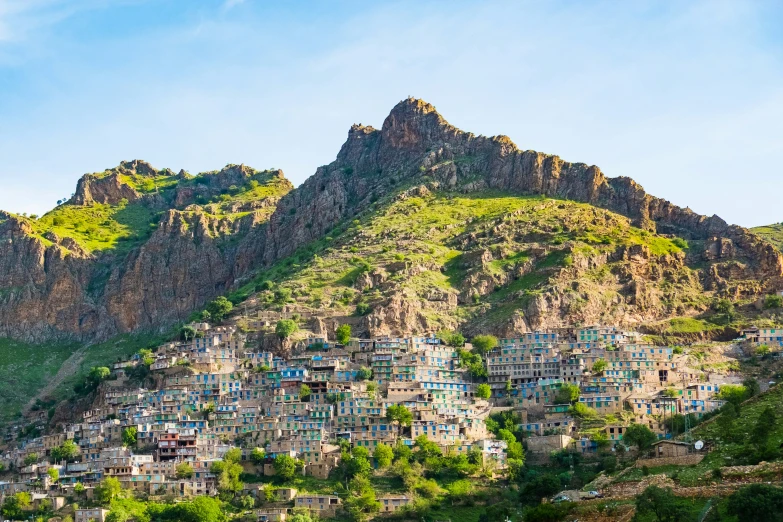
{"x": 201, "y": 248}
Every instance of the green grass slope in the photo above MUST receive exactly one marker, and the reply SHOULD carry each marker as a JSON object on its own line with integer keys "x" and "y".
{"x": 492, "y": 252}
{"x": 104, "y": 228}
{"x": 772, "y": 233}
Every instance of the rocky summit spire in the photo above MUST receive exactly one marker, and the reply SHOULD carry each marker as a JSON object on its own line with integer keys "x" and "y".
{"x": 414, "y": 125}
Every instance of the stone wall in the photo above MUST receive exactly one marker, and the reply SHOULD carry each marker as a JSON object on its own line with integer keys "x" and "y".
{"x": 685, "y": 460}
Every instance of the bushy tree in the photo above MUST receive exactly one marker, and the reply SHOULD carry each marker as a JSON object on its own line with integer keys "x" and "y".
{"x": 98, "y": 374}
{"x": 285, "y": 328}
{"x": 54, "y": 474}
{"x": 200, "y": 509}
{"x": 757, "y": 502}
{"x": 400, "y": 414}
{"x": 600, "y": 365}
{"x": 736, "y": 394}
{"x": 285, "y": 467}
{"x": 343, "y": 334}
{"x": 108, "y": 490}
{"x": 258, "y": 456}
{"x": 662, "y": 504}
{"x": 304, "y": 393}
{"x": 364, "y": 373}
{"x": 187, "y": 333}
{"x": 752, "y": 387}
{"x": 453, "y": 339}
{"x": 484, "y": 343}
{"x": 383, "y": 455}
{"x": 228, "y": 473}
{"x": 129, "y": 436}
{"x": 773, "y": 301}
{"x": 567, "y": 394}
{"x": 185, "y": 471}
{"x": 30, "y": 458}
{"x": 219, "y": 308}
{"x": 640, "y": 436}
{"x": 483, "y": 391}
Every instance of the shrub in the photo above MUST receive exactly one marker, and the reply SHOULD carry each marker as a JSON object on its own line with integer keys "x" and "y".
{"x": 773, "y": 301}
{"x": 285, "y": 328}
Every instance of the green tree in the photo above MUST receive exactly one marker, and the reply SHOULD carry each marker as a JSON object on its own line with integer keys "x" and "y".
{"x": 285, "y": 328}
{"x": 343, "y": 334}
{"x": 234, "y": 455}
{"x": 228, "y": 473}
{"x": 736, "y": 394}
{"x": 773, "y": 301}
{"x": 129, "y": 436}
{"x": 548, "y": 512}
{"x": 78, "y": 488}
{"x": 98, "y": 374}
{"x": 454, "y": 339}
{"x": 361, "y": 501}
{"x": 724, "y": 306}
{"x": 400, "y": 414}
{"x": 364, "y": 373}
{"x": 304, "y": 393}
{"x": 426, "y": 448}
{"x": 508, "y": 387}
{"x": 600, "y": 365}
{"x": 483, "y": 391}
{"x": 54, "y": 474}
{"x": 582, "y": 411}
{"x": 640, "y": 436}
{"x": 248, "y": 502}
{"x": 187, "y": 333}
{"x": 567, "y": 394}
{"x": 258, "y": 456}
{"x": 757, "y": 502}
{"x": 282, "y": 295}
{"x": 484, "y": 343}
{"x": 30, "y": 459}
{"x": 108, "y": 490}
{"x": 14, "y": 506}
{"x": 185, "y": 471}
{"x": 383, "y": 455}
{"x": 764, "y": 426}
{"x": 285, "y": 467}
{"x": 200, "y": 509}
{"x": 219, "y": 308}
{"x": 660, "y": 503}
{"x": 752, "y": 387}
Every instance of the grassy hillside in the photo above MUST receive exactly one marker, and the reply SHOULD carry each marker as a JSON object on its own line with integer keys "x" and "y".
{"x": 25, "y": 369}
{"x": 772, "y": 233}
{"x": 490, "y": 252}
{"x": 118, "y": 228}
{"x": 49, "y": 372}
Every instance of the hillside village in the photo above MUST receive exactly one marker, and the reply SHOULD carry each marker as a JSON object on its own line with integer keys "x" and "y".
{"x": 212, "y": 391}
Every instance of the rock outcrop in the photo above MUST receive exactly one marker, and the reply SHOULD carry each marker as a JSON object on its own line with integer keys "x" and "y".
{"x": 52, "y": 287}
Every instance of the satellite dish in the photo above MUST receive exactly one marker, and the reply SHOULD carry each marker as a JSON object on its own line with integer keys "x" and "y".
{"x": 699, "y": 444}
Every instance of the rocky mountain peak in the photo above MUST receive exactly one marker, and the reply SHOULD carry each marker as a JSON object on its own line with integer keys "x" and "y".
{"x": 414, "y": 125}
{"x": 139, "y": 167}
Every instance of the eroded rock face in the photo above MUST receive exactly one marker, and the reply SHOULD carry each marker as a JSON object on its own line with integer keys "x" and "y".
{"x": 52, "y": 288}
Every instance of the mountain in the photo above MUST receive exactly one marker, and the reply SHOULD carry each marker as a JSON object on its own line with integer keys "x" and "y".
{"x": 134, "y": 248}
{"x": 416, "y": 225}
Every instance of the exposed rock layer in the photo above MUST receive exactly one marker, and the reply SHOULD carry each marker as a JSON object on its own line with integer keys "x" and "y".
{"x": 50, "y": 287}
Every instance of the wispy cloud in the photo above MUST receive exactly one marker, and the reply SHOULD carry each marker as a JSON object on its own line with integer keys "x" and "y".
{"x": 228, "y": 4}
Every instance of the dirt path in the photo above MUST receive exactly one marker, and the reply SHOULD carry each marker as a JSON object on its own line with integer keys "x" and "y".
{"x": 69, "y": 367}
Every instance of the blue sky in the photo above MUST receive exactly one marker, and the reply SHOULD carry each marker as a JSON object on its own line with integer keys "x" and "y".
{"x": 684, "y": 97}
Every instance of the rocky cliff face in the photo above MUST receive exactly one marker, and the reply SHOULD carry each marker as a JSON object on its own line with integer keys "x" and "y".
{"x": 213, "y": 231}
{"x": 55, "y": 287}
